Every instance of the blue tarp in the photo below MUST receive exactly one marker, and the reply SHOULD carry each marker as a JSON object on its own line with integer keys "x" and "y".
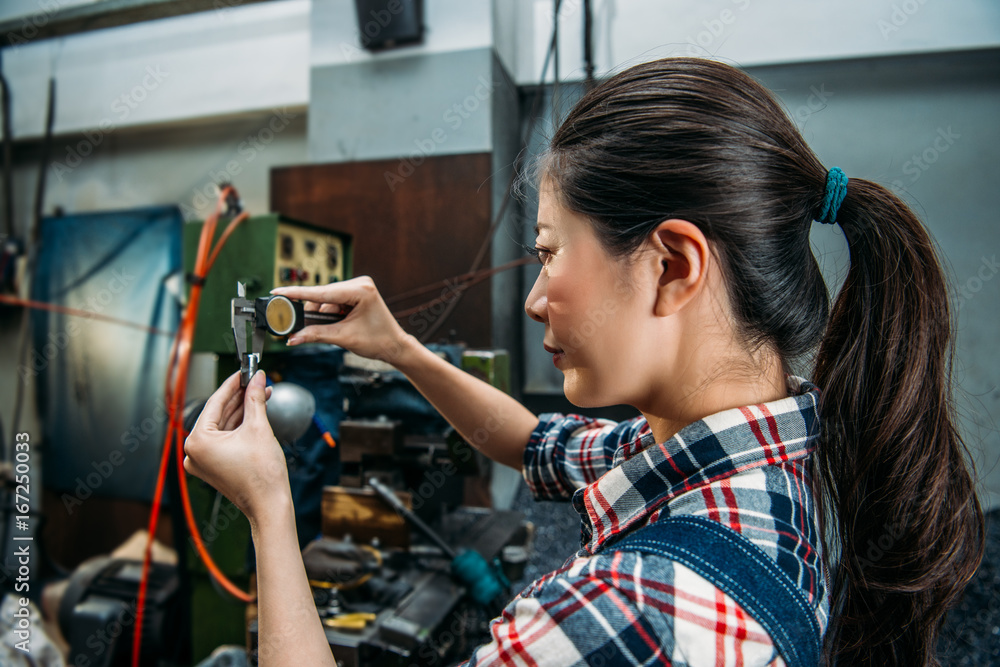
{"x": 100, "y": 385}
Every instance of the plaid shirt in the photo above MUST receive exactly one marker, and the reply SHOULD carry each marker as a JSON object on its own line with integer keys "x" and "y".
{"x": 747, "y": 468}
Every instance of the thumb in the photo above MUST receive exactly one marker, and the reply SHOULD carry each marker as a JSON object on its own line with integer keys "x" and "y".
{"x": 255, "y": 400}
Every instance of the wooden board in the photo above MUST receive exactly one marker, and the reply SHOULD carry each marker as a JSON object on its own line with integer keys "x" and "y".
{"x": 424, "y": 229}
{"x": 364, "y": 516}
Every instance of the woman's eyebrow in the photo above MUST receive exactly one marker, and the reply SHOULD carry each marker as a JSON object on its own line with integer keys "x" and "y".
{"x": 540, "y": 226}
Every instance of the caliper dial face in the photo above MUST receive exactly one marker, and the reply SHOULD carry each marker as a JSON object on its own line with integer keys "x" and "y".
{"x": 280, "y": 315}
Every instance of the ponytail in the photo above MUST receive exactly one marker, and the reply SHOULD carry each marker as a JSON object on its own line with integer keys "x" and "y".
{"x": 891, "y": 460}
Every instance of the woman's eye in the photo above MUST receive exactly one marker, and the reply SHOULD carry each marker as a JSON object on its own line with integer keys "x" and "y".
{"x": 542, "y": 254}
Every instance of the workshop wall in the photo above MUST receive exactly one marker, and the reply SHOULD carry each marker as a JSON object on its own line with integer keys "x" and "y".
{"x": 249, "y": 57}
{"x": 213, "y": 64}
{"x": 25, "y": 8}
{"x": 744, "y": 32}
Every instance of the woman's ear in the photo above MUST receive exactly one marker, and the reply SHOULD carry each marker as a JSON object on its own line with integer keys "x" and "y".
{"x": 682, "y": 255}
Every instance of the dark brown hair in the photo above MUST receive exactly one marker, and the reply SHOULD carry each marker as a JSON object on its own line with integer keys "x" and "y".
{"x": 702, "y": 141}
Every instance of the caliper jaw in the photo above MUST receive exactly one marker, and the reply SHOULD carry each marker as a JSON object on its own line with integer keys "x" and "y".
{"x": 247, "y": 328}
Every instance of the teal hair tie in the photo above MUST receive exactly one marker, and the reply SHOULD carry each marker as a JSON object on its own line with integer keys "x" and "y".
{"x": 833, "y": 197}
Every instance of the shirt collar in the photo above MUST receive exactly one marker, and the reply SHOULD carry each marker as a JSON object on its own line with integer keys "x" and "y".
{"x": 646, "y": 475}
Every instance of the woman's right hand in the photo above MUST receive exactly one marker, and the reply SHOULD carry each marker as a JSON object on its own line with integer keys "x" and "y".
{"x": 369, "y": 329}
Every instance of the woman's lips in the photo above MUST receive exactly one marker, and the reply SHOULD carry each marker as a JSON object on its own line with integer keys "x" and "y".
{"x": 557, "y": 355}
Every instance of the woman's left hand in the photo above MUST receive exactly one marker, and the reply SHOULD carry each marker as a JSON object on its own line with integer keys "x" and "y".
{"x": 233, "y": 448}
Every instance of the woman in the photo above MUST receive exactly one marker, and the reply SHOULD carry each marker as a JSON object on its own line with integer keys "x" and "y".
{"x": 674, "y": 214}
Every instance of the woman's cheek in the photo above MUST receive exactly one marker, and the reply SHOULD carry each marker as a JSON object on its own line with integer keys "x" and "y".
{"x": 559, "y": 290}
{"x": 561, "y": 304}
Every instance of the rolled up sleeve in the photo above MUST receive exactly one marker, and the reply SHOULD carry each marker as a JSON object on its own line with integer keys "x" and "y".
{"x": 567, "y": 452}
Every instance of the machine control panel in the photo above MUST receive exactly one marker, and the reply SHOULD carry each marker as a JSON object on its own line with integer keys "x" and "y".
{"x": 307, "y": 257}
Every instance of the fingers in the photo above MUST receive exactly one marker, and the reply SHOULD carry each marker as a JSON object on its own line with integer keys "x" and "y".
{"x": 254, "y": 407}
{"x": 349, "y": 292}
{"x": 316, "y": 293}
{"x": 333, "y": 308}
{"x": 310, "y": 334}
{"x": 235, "y": 418}
{"x": 212, "y": 413}
{"x": 233, "y": 406}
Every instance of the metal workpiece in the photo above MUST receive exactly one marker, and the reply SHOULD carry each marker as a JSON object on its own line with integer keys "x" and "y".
{"x": 290, "y": 411}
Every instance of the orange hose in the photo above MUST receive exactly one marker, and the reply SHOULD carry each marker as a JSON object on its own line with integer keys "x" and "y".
{"x": 225, "y": 237}
{"x": 220, "y": 577}
{"x": 176, "y": 383}
{"x": 147, "y": 558}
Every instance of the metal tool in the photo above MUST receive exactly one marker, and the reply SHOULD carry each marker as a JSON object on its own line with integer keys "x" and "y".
{"x": 277, "y": 315}
{"x": 393, "y": 501}
{"x": 245, "y": 328}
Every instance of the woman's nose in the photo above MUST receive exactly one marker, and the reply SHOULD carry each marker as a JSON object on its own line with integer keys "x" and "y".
{"x": 536, "y": 305}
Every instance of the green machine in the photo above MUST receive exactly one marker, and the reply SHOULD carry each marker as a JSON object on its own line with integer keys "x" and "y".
{"x": 264, "y": 252}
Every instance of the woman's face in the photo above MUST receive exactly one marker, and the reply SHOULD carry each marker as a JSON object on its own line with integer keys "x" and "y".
{"x": 587, "y": 301}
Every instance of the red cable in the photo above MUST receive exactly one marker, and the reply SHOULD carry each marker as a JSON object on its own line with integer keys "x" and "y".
{"x": 90, "y": 315}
